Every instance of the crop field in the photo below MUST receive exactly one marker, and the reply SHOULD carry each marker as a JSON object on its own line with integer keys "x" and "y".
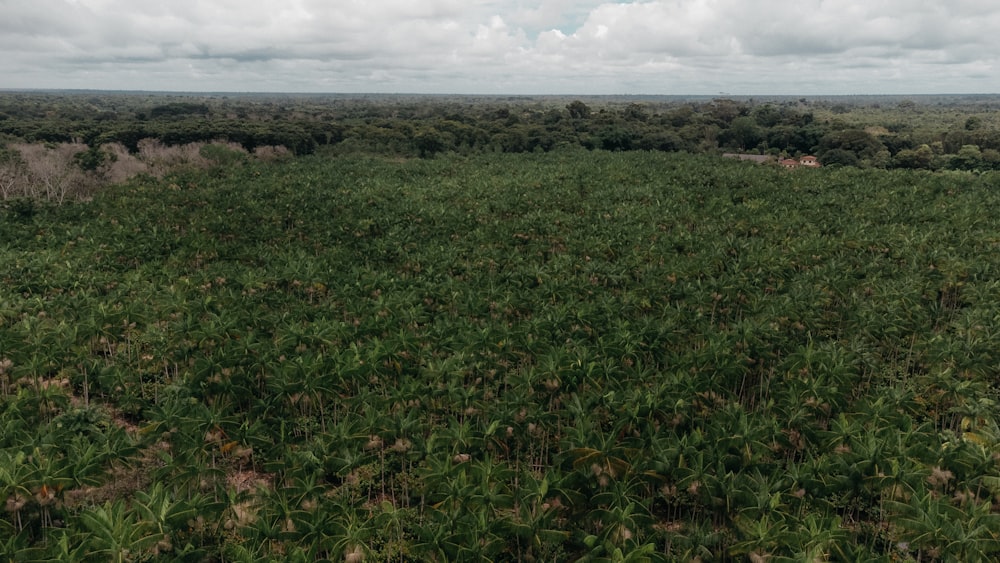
{"x": 576, "y": 355}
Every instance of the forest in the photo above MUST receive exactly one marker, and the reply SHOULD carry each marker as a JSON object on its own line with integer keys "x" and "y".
{"x": 923, "y": 132}
{"x": 259, "y": 328}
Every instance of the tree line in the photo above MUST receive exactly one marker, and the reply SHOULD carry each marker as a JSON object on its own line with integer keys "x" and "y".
{"x": 962, "y": 135}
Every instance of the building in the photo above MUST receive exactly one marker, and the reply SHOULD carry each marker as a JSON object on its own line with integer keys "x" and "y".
{"x": 807, "y": 161}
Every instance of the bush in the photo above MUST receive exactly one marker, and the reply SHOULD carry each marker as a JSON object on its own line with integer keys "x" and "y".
{"x": 221, "y": 154}
{"x": 839, "y": 157}
{"x": 161, "y": 159}
{"x": 269, "y": 153}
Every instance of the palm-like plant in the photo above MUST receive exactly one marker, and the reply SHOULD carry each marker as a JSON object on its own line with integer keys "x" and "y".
{"x": 763, "y": 538}
{"x": 935, "y": 527}
{"x": 478, "y": 349}
{"x": 537, "y": 510}
{"x": 820, "y": 538}
{"x": 17, "y": 479}
{"x": 163, "y": 515}
{"x": 115, "y": 534}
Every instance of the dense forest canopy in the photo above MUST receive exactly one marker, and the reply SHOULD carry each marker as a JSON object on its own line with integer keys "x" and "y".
{"x": 929, "y": 132}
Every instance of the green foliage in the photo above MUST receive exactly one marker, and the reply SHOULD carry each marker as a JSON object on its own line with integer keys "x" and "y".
{"x": 744, "y": 133}
{"x": 839, "y": 157}
{"x": 408, "y": 126}
{"x": 92, "y": 158}
{"x": 578, "y": 110}
{"x": 221, "y": 155}
{"x": 920, "y": 158}
{"x": 862, "y": 144}
{"x": 429, "y": 143}
{"x": 575, "y": 355}
{"x": 969, "y": 157}
{"x": 175, "y": 109}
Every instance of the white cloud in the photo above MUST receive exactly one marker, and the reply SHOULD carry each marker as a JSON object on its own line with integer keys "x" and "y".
{"x": 504, "y": 46}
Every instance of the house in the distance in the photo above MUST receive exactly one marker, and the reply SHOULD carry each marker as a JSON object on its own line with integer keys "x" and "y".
{"x": 807, "y": 161}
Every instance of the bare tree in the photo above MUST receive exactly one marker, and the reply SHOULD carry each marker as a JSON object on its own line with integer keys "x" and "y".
{"x": 56, "y": 172}
{"x": 52, "y": 171}
{"x": 11, "y": 180}
{"x": 120, "y": 165}
{"x": 162, "y": 159}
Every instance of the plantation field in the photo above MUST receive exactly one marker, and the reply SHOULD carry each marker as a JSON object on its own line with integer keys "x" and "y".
{"x": 512, "y": 357}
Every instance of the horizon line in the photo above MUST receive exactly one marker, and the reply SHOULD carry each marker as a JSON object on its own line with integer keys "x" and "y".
{"x": 488, "y": 95}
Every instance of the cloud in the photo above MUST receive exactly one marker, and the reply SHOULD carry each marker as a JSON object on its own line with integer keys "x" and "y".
{"x": 503, "y": 46}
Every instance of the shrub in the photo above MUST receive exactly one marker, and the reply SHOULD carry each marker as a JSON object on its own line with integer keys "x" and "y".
{"x": 223, "y": 154}
{"x": 161, "y": 158}
{"x": 123, "y": 164}
{"x": 271, "y": 153}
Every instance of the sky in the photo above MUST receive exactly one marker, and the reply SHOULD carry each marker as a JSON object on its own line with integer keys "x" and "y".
{"x": 497, "y": 47}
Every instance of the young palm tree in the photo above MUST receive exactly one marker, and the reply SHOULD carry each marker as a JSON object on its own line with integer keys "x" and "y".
{"x": 163, "y": 515}
{"x": 535, "y": 519}
{"x": 932, "y": 525}
{"x": 115, "y": 534}
{"x": 17, "y": 478}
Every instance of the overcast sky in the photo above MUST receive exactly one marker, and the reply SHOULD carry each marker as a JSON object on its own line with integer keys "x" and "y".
{"x": 740, "y": 47}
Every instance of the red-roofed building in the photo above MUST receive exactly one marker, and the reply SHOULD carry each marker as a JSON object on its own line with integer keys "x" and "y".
{"x": 807, "y": 161}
